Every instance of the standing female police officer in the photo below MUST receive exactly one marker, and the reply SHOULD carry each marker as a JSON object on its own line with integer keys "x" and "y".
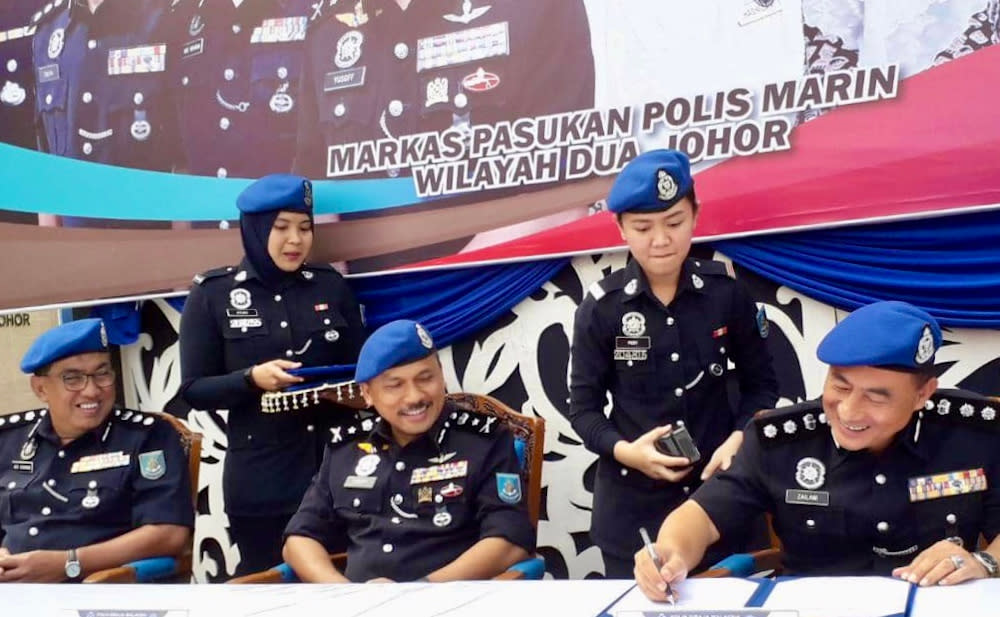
{"x": 241, "y": 330}
{"x": 659, "y": 336}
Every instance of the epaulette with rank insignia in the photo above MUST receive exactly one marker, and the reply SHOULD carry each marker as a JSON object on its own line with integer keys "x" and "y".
{"x": 211, "y": 274}
{"x": 963, "y": 407}
{"x": 612, "y": 282}
{"x": 802, "y": 421}
{"x": 352, "y": 426}
{"x": 133, "y": 417}
{"x": 712, "y": 267}
{"x": 472, "y": 421}
{"x": 22, "y": 418}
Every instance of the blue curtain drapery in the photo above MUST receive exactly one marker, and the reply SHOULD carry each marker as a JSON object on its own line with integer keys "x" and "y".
{"x": 949, "y": 266}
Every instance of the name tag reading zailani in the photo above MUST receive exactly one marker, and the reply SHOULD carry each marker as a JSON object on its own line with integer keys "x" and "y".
{"x": 95, "y": 462}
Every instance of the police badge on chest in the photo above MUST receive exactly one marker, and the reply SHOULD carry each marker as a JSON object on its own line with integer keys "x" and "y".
{"x": 633, "y": 346}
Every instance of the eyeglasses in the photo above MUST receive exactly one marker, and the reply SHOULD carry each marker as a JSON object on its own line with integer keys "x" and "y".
{"x": 75, "y": 381}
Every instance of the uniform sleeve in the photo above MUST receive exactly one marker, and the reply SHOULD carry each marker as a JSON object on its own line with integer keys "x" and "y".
{"x": 499, "y": 518}
{"x": 733, "y": 497}
{"x": 205, "y": 382}
{"x": 758, "y": 383}
{"x": 590, "y": 368}
{"x": 316, "y": 517}
{"x": 162, "y": 495}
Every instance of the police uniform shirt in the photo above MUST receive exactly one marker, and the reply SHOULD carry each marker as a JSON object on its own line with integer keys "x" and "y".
{"x": 662, "y": 365}
{"x": 130, "y": 471}
{"x": 102, "y": 94}
{"x": 237, "y": 70}
{"x": 17, "y": 83}
{"x": 409, "y": 511}
{"x": 857, "y": 513}
{"x": 232, "y": 321}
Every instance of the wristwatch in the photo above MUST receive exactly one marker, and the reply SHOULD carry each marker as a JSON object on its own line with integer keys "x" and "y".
{"x": 73, "y": 564}
{"x": 989, "y": 562}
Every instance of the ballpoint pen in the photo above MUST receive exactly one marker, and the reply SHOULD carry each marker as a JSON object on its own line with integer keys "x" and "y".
{"x": 656, "y": 561}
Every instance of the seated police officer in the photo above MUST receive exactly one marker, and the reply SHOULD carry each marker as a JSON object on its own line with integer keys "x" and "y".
{"x": 881, "y": 476}
{"x": 421, "y": 491}
{"x": 86, "y": 486}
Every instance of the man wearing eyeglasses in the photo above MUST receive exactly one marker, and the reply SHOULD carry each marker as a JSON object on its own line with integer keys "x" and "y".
{"x": 85, "y": 485}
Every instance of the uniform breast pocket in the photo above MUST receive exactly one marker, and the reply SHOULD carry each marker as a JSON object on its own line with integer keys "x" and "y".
{"x": 275, "y": 78}
{"x": 442, "y": 501}
{"x": 352, "y": 503}
{"x": 637, "y": 378}
{"x": 944, "y": 517}
{"x": 52, "y": 93}
{"x": 137, "y": 113}
{"x": 103, "y": 492}
{"x": 811, "y": 530}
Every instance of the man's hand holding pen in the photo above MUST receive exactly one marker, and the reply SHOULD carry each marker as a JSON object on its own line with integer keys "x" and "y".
{"x": 654, "y": 575}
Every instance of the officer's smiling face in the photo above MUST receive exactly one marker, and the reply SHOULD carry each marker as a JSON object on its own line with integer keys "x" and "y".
{"x": 74, "y": 412}
{"x": 866, "y": 406}
{"x": 409, "y": 397}
{"x": 290, "y": 240}
{"x": 660, "y": 241}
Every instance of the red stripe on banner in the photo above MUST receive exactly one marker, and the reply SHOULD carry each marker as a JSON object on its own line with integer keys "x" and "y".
{"x": 935, "y": 148}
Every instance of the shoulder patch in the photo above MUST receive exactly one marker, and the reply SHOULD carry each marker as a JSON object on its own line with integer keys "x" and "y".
{"x": 213, "y": 273}
{"x": 713, "y": 268}
{"x": 473, "y": 422}
{"x": 963, "y": 407}
{"x": 795, "y": 423}
{"x": 612, "y": 282}
{"x": 132, "y": 417}
{"x": 21, "y": 418}
{"x": 596, "y": 290}
{"x": 353, "y": 427}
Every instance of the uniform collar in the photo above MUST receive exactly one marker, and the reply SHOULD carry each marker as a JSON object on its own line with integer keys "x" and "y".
{"x": 636, "y": 283}
{"x": 913, "y": 439}
{"x": 48, "y": 433}
{"x": 435, "y": 435}
{"x": 246, "y": 272}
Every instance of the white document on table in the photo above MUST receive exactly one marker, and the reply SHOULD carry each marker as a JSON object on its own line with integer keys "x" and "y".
{"x": 840, "y": 596}
{"x": 694, "y": 593}
{"x": 971, "y": 599}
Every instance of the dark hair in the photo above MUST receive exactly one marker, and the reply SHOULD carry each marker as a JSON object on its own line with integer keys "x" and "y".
{"x": 690, "y": 195}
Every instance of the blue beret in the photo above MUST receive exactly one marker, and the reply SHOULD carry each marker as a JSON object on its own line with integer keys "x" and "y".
{"x": 654, "y": 180}
{"x": 277, "y": 192}
{"x": 69, "y": 339}
{"x": 397, "y": 342}
{"x": 889, "y": 334}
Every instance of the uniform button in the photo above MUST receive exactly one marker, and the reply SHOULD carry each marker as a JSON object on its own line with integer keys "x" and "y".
{"x": 46, "y": 511}
{"x": 277, "y": 298}
{"x": 185, "y": 80}
{"x": 356, "y": 502}
{"x": 951, "y": 518}
{"x": 674, "y": 357}
{"x": 670, "y": 321}
{"x": 88, "y": 147}
{"x": 401, "y": 51}
{"x": 12, "y": 65}
{"x": 678, "y": 392}
{"x": 236, "y": 28}
{"x": 92, "y": 484}
{"x": 400, "y": 465}
{"x": 326, "y": 322}
{"x": 339, "y": 110}
{"x": 687, "y": 489}
{"x": 310, "y": 428}
{"x": 810, "y": 523}
{"x": 624, "y": 471}
{"x": 11, "y": 485}
{"x": 91, "y": 44}
{"x": 284, "y": 324}
{"x": 438, "y": 498}
{"x": 397, "y": 499}
{"x": 33, "y": 531}
{"x": 395, "y": 520}
{"x": 62, "y": 454}
{"x": 722, "y": 350}
{"x": 386, "y": 548}
{"x": 396, "y": 108}
{"x": 882, "y": 526}
{"x": 289, "y": 353}
{"x": 282, "y": 72}
{"x": 87, "y": 97}
{"x": 51, "y": 482}
{"x": 461, "y": 100}
{"x": 137, "y": 98}
{"x": 229, "y": 74}
{"x": 880, "y": 479}
{"x": 48, "y": 99}
{"x": 222, "y": 173}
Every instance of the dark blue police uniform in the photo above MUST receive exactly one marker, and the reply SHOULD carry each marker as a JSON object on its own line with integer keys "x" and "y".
{"x": 662, "y": 365}
{"x": 130, "y": 471}
{"x": 409, "y": 511}
{"x": 236, "y": 71}
{"x": 102, "y": 95}
{"x": 17, "y": 82}
{"x": 237, "y": 317}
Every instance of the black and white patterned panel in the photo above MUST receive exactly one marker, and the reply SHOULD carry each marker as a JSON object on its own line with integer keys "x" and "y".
{"x": 523, "y": 360}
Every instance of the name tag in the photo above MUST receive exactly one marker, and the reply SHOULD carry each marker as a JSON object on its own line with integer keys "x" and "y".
{"x": 807, "y": 498}
{"x": 947, "y": 484}
{"x": 142, "y": 59}
{"x": 365, "y": 482}
{"x": 23, "y": 466}
{"x": 280, "y": 30}
{"x": 632, "y": 342}
{"x": 193, "y": 48}
{"x": 94, "y": 462}
{"x": 348, "y": 78}
{"x": 231, "y": 312}
{"x": 250, "y": 322}
{"x": 49, "y": 72}
{"x": 458, "y": 469}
